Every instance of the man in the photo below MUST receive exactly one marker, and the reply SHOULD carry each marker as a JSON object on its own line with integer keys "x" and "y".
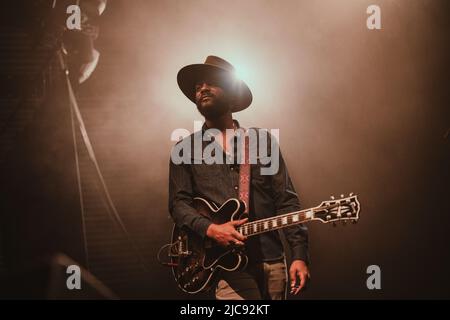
{"x": 217, "y": 94}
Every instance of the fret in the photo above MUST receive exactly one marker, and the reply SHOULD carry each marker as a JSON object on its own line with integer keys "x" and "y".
{"x": 264, "y": 225}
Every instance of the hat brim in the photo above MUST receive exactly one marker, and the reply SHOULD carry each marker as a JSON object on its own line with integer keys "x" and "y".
{"x": 189, "y": 76}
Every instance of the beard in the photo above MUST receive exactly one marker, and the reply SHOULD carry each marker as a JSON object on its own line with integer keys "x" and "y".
{"x": 214, "y": 107}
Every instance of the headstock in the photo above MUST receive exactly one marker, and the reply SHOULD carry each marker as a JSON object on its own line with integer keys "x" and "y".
{"x": 342, "y": 209}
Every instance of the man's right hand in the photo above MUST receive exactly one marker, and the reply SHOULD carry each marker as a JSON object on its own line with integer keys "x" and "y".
{"x": 226, "y": 234}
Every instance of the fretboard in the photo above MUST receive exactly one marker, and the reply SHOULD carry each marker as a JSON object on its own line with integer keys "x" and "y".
{"x": 274, "y": 223}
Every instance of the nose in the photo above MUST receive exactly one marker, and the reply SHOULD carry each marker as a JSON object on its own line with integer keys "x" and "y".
{"x": 203, "y": 87}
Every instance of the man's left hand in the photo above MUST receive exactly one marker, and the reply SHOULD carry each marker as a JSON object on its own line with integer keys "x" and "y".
{"x": 298, "y": 271}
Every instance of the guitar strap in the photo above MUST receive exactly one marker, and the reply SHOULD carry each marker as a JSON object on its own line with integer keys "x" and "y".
{"x": 244, "y": 173}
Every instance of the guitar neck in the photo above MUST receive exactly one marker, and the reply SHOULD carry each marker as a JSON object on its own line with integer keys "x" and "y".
{"x": 278, "y": 222}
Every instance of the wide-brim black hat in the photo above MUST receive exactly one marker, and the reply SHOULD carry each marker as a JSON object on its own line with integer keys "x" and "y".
{"x": 222, "y": 71}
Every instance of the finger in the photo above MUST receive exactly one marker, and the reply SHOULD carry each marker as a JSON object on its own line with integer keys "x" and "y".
{"x": 235, "y": 242}
{"x": 293, "y": 279}
{"x": 295, "y": 287}
{"x": 239, "y": 222}
{"x": 302, "y": 282}
{"x": 297, "y": 290}
{"x": 238, "y": 236}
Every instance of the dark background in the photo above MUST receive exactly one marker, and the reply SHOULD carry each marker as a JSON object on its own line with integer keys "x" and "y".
{"x": 358, "y": 110}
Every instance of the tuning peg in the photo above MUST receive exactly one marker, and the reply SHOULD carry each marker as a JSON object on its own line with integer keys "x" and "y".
{"x": 332, "y": 197}
{"x": 350, "y": 194}
{"x": 342, "y": 195}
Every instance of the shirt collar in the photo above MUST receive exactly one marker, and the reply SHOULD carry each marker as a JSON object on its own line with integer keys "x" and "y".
{"x": 205, "y": 127}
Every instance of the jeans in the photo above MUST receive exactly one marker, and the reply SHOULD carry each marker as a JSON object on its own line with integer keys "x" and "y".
{"x": 266, "y": 281}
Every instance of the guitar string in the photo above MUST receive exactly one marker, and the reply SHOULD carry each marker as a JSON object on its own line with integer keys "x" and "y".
{"x": 287, "y": 215}
{"x": 279, "y": 219}
{"x": 260, "y": 224}
{"x": 251, "y": 232}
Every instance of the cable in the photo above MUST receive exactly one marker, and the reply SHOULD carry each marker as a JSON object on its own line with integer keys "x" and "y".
{"x": 169, "y": 264}
{"x": 80, "y": 190}
{"x": 88, "y": 145}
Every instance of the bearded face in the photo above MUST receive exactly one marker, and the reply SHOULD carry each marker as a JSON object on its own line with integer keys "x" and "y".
{"x": 212, "y": 99}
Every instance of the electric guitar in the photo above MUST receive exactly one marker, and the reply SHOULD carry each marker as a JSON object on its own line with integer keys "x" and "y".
{"x": 195, "y": 262}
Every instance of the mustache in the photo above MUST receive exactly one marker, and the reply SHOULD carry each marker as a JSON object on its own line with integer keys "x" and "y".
{"x": 206, "y": 95}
